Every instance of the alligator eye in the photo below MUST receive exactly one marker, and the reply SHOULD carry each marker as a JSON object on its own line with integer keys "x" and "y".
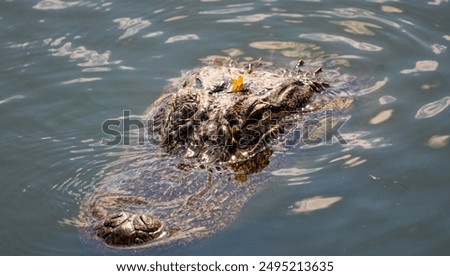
{"x": 198, "y": 83}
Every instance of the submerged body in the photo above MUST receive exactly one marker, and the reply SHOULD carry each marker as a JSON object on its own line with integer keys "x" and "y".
{"x": 215, "y": 134}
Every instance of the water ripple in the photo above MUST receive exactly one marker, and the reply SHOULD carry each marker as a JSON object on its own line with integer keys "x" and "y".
{"x": 91, "y": 60}
{"x": 98, "y": 159}
{"x": 357, "y": 27}
{"x": 300, "y": 175}
{"x": 386, "y": 99}
{"x": 381, "y": 117}
{"x": 364, "y": 46}
{"x": 90, "y": 57}
{"x": 390, "y": 9}
{"x": 373, "y": 88}
{"x": 437, "y": 2}
{"x": 246, "y": 18}
{"x": 131, "y": 25}
{"x": 54, "y": 4}
{"x": 15, "y": 97}
{"x": 79, "y": 80}
{"x": 178, "y": 38}
{"x": 433, "y": 108}
{"x": 422, "y": 66}
{"x": 175, "y": 18}
{"x": 438, "y": 48}
{"x": 228, "y": 10}
{"x": 438, "y": 141}
{"x": 313, "y": 204}
{"x": 359, "y": 13}
{"x": 295, "y": 171}
{"x": 357, "y": 139}
{"x": 153, "y": 34}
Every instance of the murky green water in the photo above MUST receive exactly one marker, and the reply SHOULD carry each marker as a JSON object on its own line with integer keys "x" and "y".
{"x": 66, "y": 66}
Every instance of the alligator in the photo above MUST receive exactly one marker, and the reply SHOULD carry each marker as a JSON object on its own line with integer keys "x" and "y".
{"x": 216, "y": 133}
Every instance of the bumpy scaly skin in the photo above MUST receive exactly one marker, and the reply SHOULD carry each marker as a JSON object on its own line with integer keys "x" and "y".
{"x": 204, "y": 120}
{"x": 129, "y": 229}
{"x": 209, "y": 140}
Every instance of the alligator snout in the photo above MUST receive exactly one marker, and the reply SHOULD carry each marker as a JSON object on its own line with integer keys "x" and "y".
{"x": 126, "y": 229}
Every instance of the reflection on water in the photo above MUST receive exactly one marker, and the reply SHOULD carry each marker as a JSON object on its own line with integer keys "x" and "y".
{"x": 433, "y": 108}
{"x": 131, "y": 25}
{"x": 381, "y": 117}
{"x": 90, "y": 60}
{"x": 177, "y": 38}
{"x": 54, "y": 4}
{"x": 390, "y": 9}
{"x": 422, "y": 66}
{"x": 67, "y": 66}
{"x": 300, "y": 175}
{"x": 357, "y": 27}
{"x": 313, "y": 204}
{"x": 15, "y": 97}
{"x": 386, "y": 99}
{"x": 336, "y": 38}
{"x": 438, "y": 141}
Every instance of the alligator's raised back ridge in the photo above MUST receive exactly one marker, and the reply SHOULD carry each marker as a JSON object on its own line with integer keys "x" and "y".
{"x": 214, "y": 133}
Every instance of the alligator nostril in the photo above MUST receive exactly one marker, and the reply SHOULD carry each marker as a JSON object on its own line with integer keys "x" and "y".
{"x": 116, "y": 219}
{"x": 147, "y": 223}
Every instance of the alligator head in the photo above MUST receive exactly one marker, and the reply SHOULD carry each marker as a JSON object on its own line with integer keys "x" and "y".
{"x": 225, "y": 117}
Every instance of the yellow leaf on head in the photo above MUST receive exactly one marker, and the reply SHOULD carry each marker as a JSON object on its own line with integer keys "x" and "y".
{"x": 237, "y": 85}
